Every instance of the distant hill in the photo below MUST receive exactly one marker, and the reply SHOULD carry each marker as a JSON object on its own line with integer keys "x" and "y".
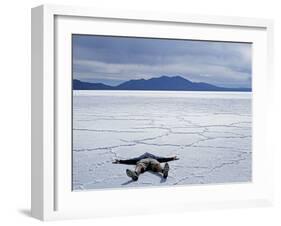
{"x": 174, "y": 83}
{"x": 79, "y": 85}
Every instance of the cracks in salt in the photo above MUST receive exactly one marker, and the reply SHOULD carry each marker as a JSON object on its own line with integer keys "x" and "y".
{"x": 210, "y": 170}
{"x": 168, "y": 130}
{"x": 231, "y": 162}
{"x": 181, "y": 180}
{"x": 109, "y": 131}
{"x": 103, "y": 148}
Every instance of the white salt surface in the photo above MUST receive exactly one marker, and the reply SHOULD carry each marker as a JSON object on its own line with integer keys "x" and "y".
{"x": 210, "y": 132}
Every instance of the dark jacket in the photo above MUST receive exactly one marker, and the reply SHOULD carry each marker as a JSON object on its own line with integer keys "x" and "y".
{"x": 134, "y": 161}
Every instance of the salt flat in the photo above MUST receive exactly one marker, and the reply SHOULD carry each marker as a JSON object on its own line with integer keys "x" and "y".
{"x": 210, "y": 132}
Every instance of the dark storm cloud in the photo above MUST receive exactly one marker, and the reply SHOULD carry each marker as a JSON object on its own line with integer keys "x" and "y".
{"x": 115, "y": 59}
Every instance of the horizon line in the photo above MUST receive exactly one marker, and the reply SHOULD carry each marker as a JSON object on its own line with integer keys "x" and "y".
{"x": 174, "y": 76}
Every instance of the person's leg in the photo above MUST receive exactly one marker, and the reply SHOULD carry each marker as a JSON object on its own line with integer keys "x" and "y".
{"x": 156, "y": 167}
{"x": 140, "y": 168}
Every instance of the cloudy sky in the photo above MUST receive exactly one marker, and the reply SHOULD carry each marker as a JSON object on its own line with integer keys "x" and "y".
{"x": 112, "y": 60}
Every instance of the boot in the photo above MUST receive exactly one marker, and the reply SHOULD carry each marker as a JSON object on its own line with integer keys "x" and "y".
{"x": 166, "y": 170}
{"x": 132, "y": 174}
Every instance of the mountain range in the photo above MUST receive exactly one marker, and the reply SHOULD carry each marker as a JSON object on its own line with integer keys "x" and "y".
{"x": 171, "y": 83}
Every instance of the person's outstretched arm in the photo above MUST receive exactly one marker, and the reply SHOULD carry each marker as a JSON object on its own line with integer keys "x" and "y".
{"x": 126, "y": 161}
{"x": 168, "y": 159}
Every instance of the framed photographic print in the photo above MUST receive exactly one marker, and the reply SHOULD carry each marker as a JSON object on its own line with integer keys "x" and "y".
{"x": 132, "y": 110}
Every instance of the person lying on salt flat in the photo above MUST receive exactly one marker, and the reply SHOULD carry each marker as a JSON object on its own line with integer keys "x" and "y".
{"x": 146, "y": 162}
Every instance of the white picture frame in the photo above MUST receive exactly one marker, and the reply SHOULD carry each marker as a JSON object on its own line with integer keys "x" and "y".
{"x": 52, "y": 197}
